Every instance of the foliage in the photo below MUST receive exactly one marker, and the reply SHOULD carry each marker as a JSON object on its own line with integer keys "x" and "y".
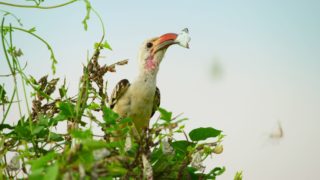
{"x": 40, "y": 151}
{"x": 238, "y": 175}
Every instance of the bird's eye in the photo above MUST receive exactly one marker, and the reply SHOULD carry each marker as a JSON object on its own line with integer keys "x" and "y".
{"x": 149, "y": 45}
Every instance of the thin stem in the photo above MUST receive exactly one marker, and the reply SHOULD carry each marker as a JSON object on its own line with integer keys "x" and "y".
{"x": 25, "y": 94}
{"x": 12, "y": 69}
{"x": 5, "y": 75}
{"x": 102, "y": 25}
{"x": 14, "y": 74}
{"x": 4, "y": 45}
{"x": 8, "y": 109}
{"x": 37, "y": 7}
{"x": 21, "y": 69}
{"x": 14, "y": 16}
{"x": 54, "y": 61}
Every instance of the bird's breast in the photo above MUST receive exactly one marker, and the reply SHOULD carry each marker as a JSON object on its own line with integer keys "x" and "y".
{"x": 137, "y": 103}
{"x": 141, "y": 100}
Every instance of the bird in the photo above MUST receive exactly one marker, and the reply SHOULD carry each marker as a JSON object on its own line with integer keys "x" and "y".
{"x": 140, "y": 99}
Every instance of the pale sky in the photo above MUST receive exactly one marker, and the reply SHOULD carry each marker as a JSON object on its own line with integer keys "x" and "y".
{"x": 269, "y": 53}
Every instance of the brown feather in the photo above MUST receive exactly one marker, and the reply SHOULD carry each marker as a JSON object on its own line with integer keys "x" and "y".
{"x": 118, "y": 91}
{"x": 156, "y": 102}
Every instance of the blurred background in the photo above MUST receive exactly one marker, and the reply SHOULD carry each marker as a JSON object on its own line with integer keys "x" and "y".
{"x": 252, "y": 70}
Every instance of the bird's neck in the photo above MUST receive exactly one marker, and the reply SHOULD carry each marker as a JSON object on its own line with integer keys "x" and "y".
{"x": 147, "y": 76}
{"x": 148, "y": 70}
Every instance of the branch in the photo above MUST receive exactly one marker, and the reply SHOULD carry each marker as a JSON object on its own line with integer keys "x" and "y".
{"x": 37, "y": 7}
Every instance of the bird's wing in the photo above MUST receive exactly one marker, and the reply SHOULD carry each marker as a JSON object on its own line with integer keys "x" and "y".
{"x": 118, "y": 91}
{"x": 156, "y": 102}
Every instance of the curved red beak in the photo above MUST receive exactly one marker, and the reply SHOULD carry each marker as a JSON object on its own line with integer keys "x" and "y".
{"x": 164, "y": 41}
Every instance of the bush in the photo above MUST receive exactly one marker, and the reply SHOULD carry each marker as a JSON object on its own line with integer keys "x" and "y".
{"x": 38, "y": 150}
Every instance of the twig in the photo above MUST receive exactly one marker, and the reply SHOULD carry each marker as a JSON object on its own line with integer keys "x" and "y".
{"x": 182, "y": 167}
{"x": 185, "y": 135}
{"x": 174, "y": 118}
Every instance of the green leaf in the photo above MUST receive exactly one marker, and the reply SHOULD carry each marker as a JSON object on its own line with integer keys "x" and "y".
{"x": 43, "y": 120}
{"x": 107, "y": 45}
{"x": 125, "y": 120}
{"x": 81, "y": 134}
{"x": 109, "y": 116}
{"x": 67, "y": 109}
{"x": 164, "y": 163}
{"x": 37, "y": 129}
{"x": 94, "y": 106}
{"x": 218, "y": 170}
{"x": 116, "y": 170}
{"x": 181, "y": 146}
{"x": 97, "y": 45}
{"x": 86, "y": 158}
{"x": 238, "y": 176}
{"x": 203, "y": 133}
{"x": 52, "y": 172}
{"x": 54, "y": 121}
{"x": 42, "y": 161}
{"x": 3, "y": 93}
{"x": 93, "y": 144}
{"x": 165, "y": 115}
{"x": 43, "y": 133}
{"x": 37, "y": 174}
{"x": 32, "y": 80}
{"x": 156, "y": 154}
{"x": 32, "y": 30}
{"x": 55, "y": 137}
{"x": 215, "y": 172}
{"x": 63, "y": 91}
{"x": 87, "y": 17}
{"x": 116, "y": 144}
{"x": 5, "y": 126}
{"x": 23, "y": 131}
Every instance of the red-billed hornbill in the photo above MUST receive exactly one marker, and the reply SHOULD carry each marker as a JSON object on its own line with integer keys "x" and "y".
{"x": 140, "y": 100}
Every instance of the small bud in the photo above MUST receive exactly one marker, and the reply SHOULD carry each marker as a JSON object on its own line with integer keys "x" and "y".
{"x": 218, "y": 149}
{"x": 16, "y": 53}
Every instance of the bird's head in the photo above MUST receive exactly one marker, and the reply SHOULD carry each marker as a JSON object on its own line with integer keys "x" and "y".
{"x": 152, "y": 50}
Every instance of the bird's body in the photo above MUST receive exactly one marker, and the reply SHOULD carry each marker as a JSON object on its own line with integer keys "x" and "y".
{"x": 138, "y": 102}
{"x": 140, "y": 99}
